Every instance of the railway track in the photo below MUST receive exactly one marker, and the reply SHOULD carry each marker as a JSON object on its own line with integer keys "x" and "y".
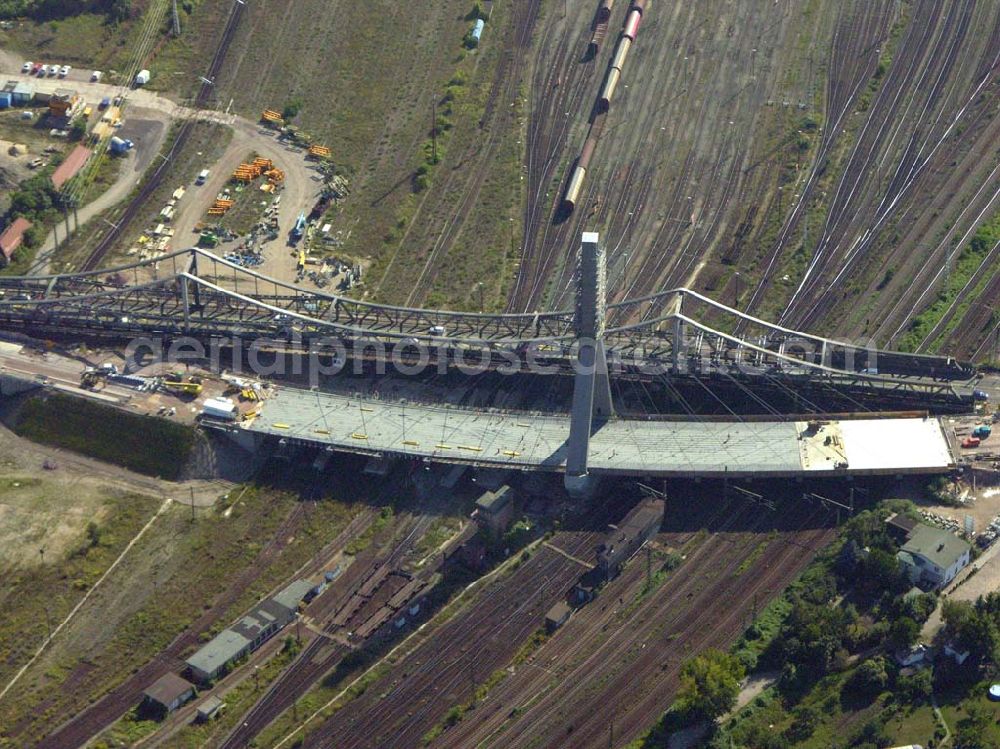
{"x": 399, "y": 708}
{"x": 497, "y": 121}
{"x": 104, "y": 245}
{"x": 94, "y": 719}
{"x": 633, "y": 665}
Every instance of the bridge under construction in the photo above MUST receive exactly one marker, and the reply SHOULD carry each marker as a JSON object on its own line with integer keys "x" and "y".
{"x": 678, "y": 336}
{"x": 652, "y": 447}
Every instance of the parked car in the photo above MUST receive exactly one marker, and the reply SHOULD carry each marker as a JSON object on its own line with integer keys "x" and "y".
{"x": 53, "y": 70}
{"x": 36, "y": 68}
{"x": 64, "y": 70}
{"x": 27, "y": 67}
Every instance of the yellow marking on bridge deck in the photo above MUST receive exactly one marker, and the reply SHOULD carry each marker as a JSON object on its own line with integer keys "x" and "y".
{"x": 411, "y": 443}
{"x": 321, "y": 431}
{"x": 281, "y": 426}
{"x": 358, "y": 436}
{"x": 443, "y": 447}
{"x": 469, "y": 447}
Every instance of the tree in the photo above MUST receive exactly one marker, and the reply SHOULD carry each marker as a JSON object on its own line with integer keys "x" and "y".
{"x": 804, "y": 723}
{"x": 915, "y": 688}
{"x": 972, "y": 629}
{"x": 972, "y": 730}
{"x": 93, "y": 533}
{"x": 904, "y": 633}
{"x": 710, "y": 684}
{"x": 870, "y": 678}
{"x": 291, "y": 109}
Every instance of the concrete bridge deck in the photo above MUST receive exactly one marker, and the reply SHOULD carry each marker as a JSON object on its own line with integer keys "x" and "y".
{"x": 532, "y": 441}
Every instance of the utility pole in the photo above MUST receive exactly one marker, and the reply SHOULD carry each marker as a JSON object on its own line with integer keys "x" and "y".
{"x": 482, "y": 305}
{"x": 192, "y": 503}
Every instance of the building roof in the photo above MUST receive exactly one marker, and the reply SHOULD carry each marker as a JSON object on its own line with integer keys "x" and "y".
{"x": 902, "y": 522}
{"x": 9, "y": 86}
{"x": 495, "y": 501}
{"x": 218, "y": 651}
{"x": 13, "y": 235}
{"x": 210, "y": 705}
{"x": 940, "y": 547}
{"x": 291, "y": 596}
{"x": 22, "y": 87}
{"x": 168, "y": 688}
{"x": 558, "y": 612}
{"x": 70, "y": 166}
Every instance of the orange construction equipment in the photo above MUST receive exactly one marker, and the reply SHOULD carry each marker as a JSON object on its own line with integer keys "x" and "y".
{"x": 276, "y": 176}
{"x": 264, "y": 164}
{"x": 271, "y": 116}
{"x": 319, "y": 152}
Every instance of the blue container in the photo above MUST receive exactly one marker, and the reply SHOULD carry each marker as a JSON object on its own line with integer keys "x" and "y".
{"x": 5, "y": 100}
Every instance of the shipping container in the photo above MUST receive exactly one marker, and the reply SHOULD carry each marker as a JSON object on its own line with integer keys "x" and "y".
{"x": 624, "y": 45}
{"x": 219, "y": 408}
{"x": 608, "y": 92}
{"x": 573, "y": 189}
{"x": 5, "y": 100}
{"x": 632, "y": 24}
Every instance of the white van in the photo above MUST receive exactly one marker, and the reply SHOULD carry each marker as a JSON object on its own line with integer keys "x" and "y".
{"x": 202, "y": 177}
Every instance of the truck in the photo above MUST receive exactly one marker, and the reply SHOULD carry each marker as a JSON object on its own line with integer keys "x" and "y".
{"x": 970, "y": 442}
{"x": 300, "y": 227}
{"x": 121, "y": 145}
{"x": 202, "y": 177}
{"x": 982, "y": 431}
{"x": 220, "y": 409}
{"x": 142, "y": 77}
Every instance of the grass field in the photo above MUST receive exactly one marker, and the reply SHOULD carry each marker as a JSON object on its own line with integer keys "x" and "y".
{"x": 108, "y": 434}
{"x": 173, "y": 574}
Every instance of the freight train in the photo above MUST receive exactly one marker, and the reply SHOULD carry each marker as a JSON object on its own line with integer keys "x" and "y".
{"x": 628, "y": 36}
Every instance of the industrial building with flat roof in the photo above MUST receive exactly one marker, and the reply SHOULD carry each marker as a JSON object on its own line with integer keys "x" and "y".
{"x": 249, "y": 633}
{"x": 169, "y": 692}
{"x": 650, "y": 447}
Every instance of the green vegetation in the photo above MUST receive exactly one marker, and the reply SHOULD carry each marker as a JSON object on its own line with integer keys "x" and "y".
{"x": 830, "y": 638}
{"x": 362, "y": 541}
{"x": 458, "y": 712}
{"x": 171, "y": 577}
{"x": 108, "y": 434}
{"x": 964, "y": 266}
{"x": 710, "y": 684}
{"x": 48, "y": 10}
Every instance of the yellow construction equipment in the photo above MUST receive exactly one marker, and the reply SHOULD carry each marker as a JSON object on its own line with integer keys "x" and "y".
{"x": 270, "y": 115}
{"x": 276, "y": 176}
{"x": 183, "y": 388}
{"x": 319, "y": 152}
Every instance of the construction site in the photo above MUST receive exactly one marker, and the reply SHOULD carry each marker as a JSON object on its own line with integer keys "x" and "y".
{"x": 517, "y": 377}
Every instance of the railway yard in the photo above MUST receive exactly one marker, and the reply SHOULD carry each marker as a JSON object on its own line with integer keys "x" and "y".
{"x": 823, "y": 173}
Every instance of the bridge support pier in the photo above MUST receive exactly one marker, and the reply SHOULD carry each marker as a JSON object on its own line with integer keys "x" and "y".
{"x": 592, "y": 405}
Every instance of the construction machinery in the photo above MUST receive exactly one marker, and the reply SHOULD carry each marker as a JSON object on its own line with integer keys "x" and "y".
{"x": 319, "y": 152}
{"x": 272, "y": 118}
{"x": 176, "y": 383}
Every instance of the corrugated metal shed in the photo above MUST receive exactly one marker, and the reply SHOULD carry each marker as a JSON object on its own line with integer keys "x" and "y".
{"x": 70, "y": 166}
{"x": 12, "y": 236}
{"x": 477, "y": 29}
{"x": 23, "y": 93}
